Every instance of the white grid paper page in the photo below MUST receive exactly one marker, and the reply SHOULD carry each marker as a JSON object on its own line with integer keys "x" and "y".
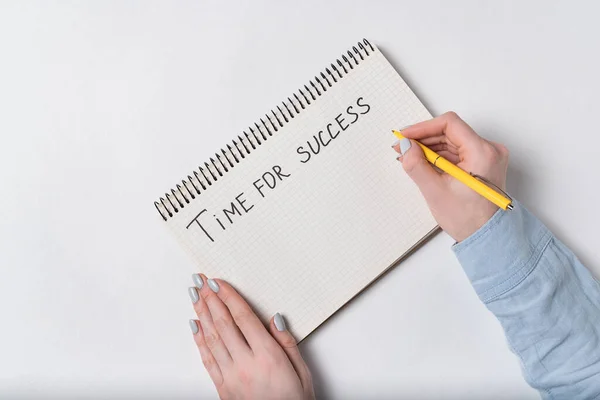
{"x": 335, "y": 224}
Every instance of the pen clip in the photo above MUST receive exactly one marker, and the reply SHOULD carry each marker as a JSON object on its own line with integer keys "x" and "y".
{"x": 487, "y": 182}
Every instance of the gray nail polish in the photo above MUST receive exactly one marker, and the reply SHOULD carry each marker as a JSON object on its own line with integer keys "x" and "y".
{"x": 194, "y": 326}
{"x": 279, "y": 322}
{"x": 213, "y": 285}
{"x": 197, "y": 281}
{"x": 404, "y": 145}
{"x": 404, "y": 127}
{"x": 193, "y": 294}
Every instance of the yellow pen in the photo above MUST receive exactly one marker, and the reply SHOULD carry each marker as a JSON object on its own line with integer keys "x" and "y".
{"x": 471, "y": 181}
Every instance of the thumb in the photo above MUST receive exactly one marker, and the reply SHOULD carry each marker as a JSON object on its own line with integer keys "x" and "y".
{"x": 419, "y": 170}
{"x": 279, "y": 331}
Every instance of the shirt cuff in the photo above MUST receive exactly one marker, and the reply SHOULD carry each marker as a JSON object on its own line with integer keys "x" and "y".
{"x": 503, "y": 252}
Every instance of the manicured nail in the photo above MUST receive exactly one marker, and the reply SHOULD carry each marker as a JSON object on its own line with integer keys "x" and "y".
{"x": 213, "y": 285}
{"x": 193, "y": 294}
{"x": 405, "y": 127}
{"x": 194, "y": 326}
{"x": 404, "y": 145}
{"x": 197, "y": 281}
{"x": 399, "y": 158}
{"x": 279, "y": 322}
{"x": 396, "y": 143}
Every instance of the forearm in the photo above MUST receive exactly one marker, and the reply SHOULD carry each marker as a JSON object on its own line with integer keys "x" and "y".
{"x": 547, "y": 302}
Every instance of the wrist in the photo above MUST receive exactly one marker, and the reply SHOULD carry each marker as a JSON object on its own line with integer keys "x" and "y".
{"x": 461, "y": 226}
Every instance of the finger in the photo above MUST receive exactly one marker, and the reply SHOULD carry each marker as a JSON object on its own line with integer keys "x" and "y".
{"x": 444, "y": 147}
{"x": 249, "y": 324}
{"x": 449, "y": 124}
{"x": 453, "y": 158}
{"x": 420, "y": 171}
{"x": 222, "y": 320}
{"x": 428, "y": 141}
{"x": 435, "y": 143}
{"x": 207, "y": 358}
{"x": 433, "y": 140}
{"x": 279, "y": 331}
{"x": 213, "y": 339}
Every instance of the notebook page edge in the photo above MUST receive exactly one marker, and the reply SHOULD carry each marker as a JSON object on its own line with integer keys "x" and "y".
{"x": 395, "y": 264}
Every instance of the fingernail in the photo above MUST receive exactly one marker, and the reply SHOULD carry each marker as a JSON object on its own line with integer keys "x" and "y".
{"x": 405, "y": 127}
{"x": 193, "y": 326}
{"x": 279, "y": 322}
{"x": 193, "y": 294}
{"x": 197, "y": 281}
{"x": 396, "y": 143}
{"x": 213, "y": 285}
{"x": 404, "y": 145}
{"x": 399, "y": 158}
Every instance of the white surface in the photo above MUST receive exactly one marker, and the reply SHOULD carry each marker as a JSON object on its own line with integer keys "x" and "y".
{"x": 104, "y": 105}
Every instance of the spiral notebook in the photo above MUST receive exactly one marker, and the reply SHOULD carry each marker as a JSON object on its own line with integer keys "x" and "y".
{"x": 308, "y": 205}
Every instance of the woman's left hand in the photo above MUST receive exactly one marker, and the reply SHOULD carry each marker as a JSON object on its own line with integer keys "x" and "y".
{"x": 243, "y": 359}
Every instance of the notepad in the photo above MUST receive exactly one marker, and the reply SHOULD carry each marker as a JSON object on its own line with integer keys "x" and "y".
{"x": 308, "y": 205}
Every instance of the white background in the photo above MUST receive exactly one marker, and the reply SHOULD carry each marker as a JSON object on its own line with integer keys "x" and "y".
{"x": 105, "y": 105}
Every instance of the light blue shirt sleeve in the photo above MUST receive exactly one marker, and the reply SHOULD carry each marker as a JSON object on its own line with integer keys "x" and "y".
{"x": 547, "y": 302}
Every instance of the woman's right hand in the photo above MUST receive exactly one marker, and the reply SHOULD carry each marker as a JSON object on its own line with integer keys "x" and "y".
{"x": 458, "y": 209}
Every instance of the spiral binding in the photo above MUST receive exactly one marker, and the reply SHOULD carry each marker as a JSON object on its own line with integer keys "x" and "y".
{"x": 260, "y": 132}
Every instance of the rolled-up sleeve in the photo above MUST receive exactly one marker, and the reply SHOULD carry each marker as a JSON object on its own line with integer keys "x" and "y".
{"x": 547, "y": 302}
